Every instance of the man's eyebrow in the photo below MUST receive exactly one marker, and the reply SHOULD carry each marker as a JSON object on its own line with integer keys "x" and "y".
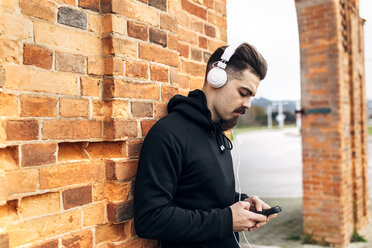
{"x": 249, "y": 91}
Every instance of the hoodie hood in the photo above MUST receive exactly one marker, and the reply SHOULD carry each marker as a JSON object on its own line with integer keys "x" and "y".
{"x": 194, "y": 107}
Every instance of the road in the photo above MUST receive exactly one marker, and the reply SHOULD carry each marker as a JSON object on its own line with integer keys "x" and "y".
{"x": 271, "y": 163}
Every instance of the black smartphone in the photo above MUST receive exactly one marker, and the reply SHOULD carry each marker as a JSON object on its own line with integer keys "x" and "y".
{"x": 269, "y": 211}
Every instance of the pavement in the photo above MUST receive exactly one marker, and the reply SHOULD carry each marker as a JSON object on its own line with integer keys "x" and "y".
{"x": 271, "y": 167}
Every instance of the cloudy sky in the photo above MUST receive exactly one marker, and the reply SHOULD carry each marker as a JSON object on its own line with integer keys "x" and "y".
{"x": 271, "y": 26}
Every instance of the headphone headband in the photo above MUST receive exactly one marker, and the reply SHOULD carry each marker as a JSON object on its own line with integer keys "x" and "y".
{"x": 229, "y": 52}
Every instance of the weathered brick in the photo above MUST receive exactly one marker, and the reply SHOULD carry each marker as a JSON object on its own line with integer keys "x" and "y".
{"x": 137, "y": 30}
{"x": 187, "y": 36}
{"x": 194, "y": 9}
{"x": 206, "y": 56}
{"x": 17, "y": 25}
{"x": 114, "y": 66}
{"x": 48, "y": 244}
{"x": 142, "y": 109}
{"x": 209, "y": 30}
{"x": 133, "y": 90}
{"x": 72, "y": 17}
{"x": 94, "y": 214}
{"x": 196, "y": 83}
{"x": 10, "y": 51}
{"x": 90, "y": 86}
{"x": 3, "y": 193}
{"x": 77, "y": 197}
{"x": 136, "y": 69}
{"x": 217, "y": 20}
{"x": 70, "y": 151}
{"x": 167, "y": 92}
{"x": 59, "y": 36}
{"x": 134, "y": 147}
{"x": 80, "y": 239}
{"x": 89, "y": 4}
{"x": 146, "y": 125}
{"x": 119, "y": 47}
{"x": 119, "y": 129}
{"x": 68, "y": 174}
{"x": 70, "y": 62}
{"x": 47, "y": 226}
{"x": 27, "y": 79}
{"x": 136, "y": 11}
{"x": 220, "y": 8}
{"x": 70, "y": 2}
{"x": 8, "y": 212}
{"x": 159, "y": 73}
{"x": 117, "y": 213}
{"x": 8, "y": 105}
{"x": 95, "y": 23}
{"x": 202, "y": 42}
{"x": 21, "y": 181}
{"x": 172, "y": 42}
{"x": 111, "y": 232}
{"x": 173, "y": 77}
{"x": 34, "y": 106}
{"x": 22, "y": 130}
{"x": 215, "y": 44}
{"x": 4, "y": 240}
{"x": 196, "y": 54}
{"x": 69, "y": 107}
{"x": 102, "y": 109}
{"x": 38, "y": 56}
{"x": 197, "y": 25}
{"x": 96, "y": 65}
{"x": 183, "y": 49}
{"x": 9, "y": 158}
{"x": 158, "y": 37}
{"x": 168, "y": 22}
{"x": 121, "y": 170}
{"x": 114, "y": 24}
{"x": 195, "y": 69}
{"x": 158, "y": 54}
{"x": 160, "y": 109}
{"x": 38, "y": 154}
{"x": 71, "y": 129}
{"x": 106, "y": 150}
{"x": 39, "y": 205}
{"x": 117, "y": 191}
{"x": 38, "y": 8}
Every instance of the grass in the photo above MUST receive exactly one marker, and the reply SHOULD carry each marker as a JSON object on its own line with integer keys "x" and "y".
{"x": 238, "y": 130}
{"x": 370, "y": 130}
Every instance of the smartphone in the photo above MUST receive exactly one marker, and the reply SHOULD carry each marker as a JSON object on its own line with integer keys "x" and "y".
{"x": 269, "y": 211}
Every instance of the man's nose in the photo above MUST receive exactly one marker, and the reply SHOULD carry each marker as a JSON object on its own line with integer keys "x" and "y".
{"x": 247, "y": 103}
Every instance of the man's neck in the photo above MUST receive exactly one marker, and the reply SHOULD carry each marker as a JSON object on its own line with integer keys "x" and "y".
{"x": 210, "y": 101}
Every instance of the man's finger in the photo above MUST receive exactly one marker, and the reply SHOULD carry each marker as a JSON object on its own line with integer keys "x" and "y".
{"x": 271, "y": 216}
{"x": 258, "y": 217}
{"x": 259, "y": 206}
{"x": 245, "y": 205}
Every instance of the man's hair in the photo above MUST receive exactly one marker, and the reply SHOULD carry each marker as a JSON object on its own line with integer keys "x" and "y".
{"x": 245, "y": 57}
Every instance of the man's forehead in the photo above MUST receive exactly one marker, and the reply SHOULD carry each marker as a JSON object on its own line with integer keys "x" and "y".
{"x": 249, "y": 81}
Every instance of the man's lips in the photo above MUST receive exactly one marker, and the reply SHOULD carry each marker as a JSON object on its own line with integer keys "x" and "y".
{"x": 239, "y": 111}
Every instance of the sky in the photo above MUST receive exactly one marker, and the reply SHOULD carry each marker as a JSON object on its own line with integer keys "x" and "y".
{"x": 271, "y": 26}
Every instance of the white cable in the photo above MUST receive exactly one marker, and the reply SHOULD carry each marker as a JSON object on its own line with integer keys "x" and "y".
{"x": 235, "y": 140}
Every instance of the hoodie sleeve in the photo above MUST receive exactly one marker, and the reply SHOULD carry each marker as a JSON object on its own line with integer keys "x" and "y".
{"x": 155, "y": 214}
{"x": 242, "y": 196}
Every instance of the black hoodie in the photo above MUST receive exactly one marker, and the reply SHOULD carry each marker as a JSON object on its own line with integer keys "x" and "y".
{"x": 185, "y": 180}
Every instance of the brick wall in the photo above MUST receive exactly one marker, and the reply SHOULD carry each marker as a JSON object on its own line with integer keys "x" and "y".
{"x": 81, "y": 83}
{"x": 336, "y": 198}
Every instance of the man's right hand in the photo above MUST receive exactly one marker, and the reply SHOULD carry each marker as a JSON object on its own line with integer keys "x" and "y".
{"x": 243, "y": 219}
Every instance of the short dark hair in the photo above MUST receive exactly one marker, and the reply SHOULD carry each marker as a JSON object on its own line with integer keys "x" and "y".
{"x": 246, "y": 56}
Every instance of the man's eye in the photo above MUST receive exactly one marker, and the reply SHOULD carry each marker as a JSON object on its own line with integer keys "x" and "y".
{"x": 243, "y": 93}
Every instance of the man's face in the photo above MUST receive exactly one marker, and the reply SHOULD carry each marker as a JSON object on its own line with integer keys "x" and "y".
{"x": 235, "y": 97}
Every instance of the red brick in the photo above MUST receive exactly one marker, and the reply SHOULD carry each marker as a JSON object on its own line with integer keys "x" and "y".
{"x": 22, "y": 181}
{"x": 194, "y": 9}
{"x": 134, "y": 148}
{"x": 209, "y": 3}
{"x": 118, "y": 213}
{"x": 195, "y": 69}
{"x": 9, "y": 158}
{"x": 22, "y": 129}
{"x": 102, "y": 109}
{"x": 197, "y": 26}
{"x": 118, "y": 170}
{"x": 4, "y": 240}
{"x": 136, "y": 69}
{"x": 137, "y": 30}
{"x": 8, "y": 105}
{"x": 71, "y": 151}
{"x": 70, "y": 62}
{"x": 94, "y": 214}
{"x": 106, "y": 150}
{"x": 187, "y": 36}
{"x": 34, "y": 106}
{"x": 142, "y": 109}
{"x": 158, "y": 37}
{"x": 209, "y": 30}
{"x": 119, "y": 47}
{"x": 39, "y": 8}
{"x": 40, "y": 205}
{"x": 116, "y": 191}
{"x": 220, "y": 8}
{"x": 217, "y": 20}
{"x": 95, "y": 23}
{"x": 80, "y": 239}
{"x": 90, "y": 86}
{"x": 77, "y": 197}
{"x": 132, "y": 90}
{"x": 160, "y": 109}
{"x": 160, "y": 4}
{"x": 95, "y": 66}
{"x": 168, "y": 23}
{"x": 167, "y": 92}
{"x": 159, "y": 73}
{"x": 69, "y": 174}
{"x": 48, "y": 244}
{"x": 114, "y": 24}
{"x": 137, "y": 11}
{"x": 69, "y": 107}
{"x": 89, "y": 4}
{"x": 114, "y": 66}
{"x": 173, "y": 77}
{"x": 146, "y": 125}
{"x": 3, "y": 191}
{"x": 10, "y": 50}
{"x": 111, "y": 232}
{"x": 158, "y": 54}
{"x": 16, "y": 25}
{"x": 116, "y": 129}
{"x": 202, "y": 42}
{"x": 196, "y": 54}
{"x": 38, "y": 154}
{"x": 206, "y": 56}
{"x": 38, "y": 56}
{"x": 71, "y": 129}
{"x": 183, "y": 49}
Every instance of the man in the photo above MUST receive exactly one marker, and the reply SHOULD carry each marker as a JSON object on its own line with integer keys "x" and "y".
{"x": 185, "y": 190}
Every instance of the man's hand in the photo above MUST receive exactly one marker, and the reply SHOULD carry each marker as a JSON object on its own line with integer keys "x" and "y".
{"x": 256, "y": 204}
{"x": 243, "y": 219}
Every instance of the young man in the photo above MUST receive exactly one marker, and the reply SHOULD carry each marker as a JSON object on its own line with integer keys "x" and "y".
{"x": 185, "y": 190}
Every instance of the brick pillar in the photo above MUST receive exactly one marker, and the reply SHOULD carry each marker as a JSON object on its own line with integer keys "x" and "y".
{"x": 334, "y": 130}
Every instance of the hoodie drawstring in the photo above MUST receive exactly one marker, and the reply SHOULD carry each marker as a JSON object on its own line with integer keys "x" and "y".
{"x": 222, "y": 141}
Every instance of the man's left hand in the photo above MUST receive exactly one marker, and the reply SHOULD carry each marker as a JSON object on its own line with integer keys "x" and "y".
{"x": 256, "y": 204}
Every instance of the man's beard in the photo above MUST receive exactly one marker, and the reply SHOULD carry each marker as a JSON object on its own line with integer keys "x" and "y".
{"x": 230, "y": 123}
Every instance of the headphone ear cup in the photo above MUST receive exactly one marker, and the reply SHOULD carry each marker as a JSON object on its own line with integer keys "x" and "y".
{"x": 217, "y": 77}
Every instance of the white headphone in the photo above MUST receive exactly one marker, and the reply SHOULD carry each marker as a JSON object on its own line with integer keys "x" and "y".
{"x": 217, "y": 76}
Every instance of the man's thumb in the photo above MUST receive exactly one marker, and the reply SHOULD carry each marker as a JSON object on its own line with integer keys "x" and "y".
{"x": 246, "y": 205}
